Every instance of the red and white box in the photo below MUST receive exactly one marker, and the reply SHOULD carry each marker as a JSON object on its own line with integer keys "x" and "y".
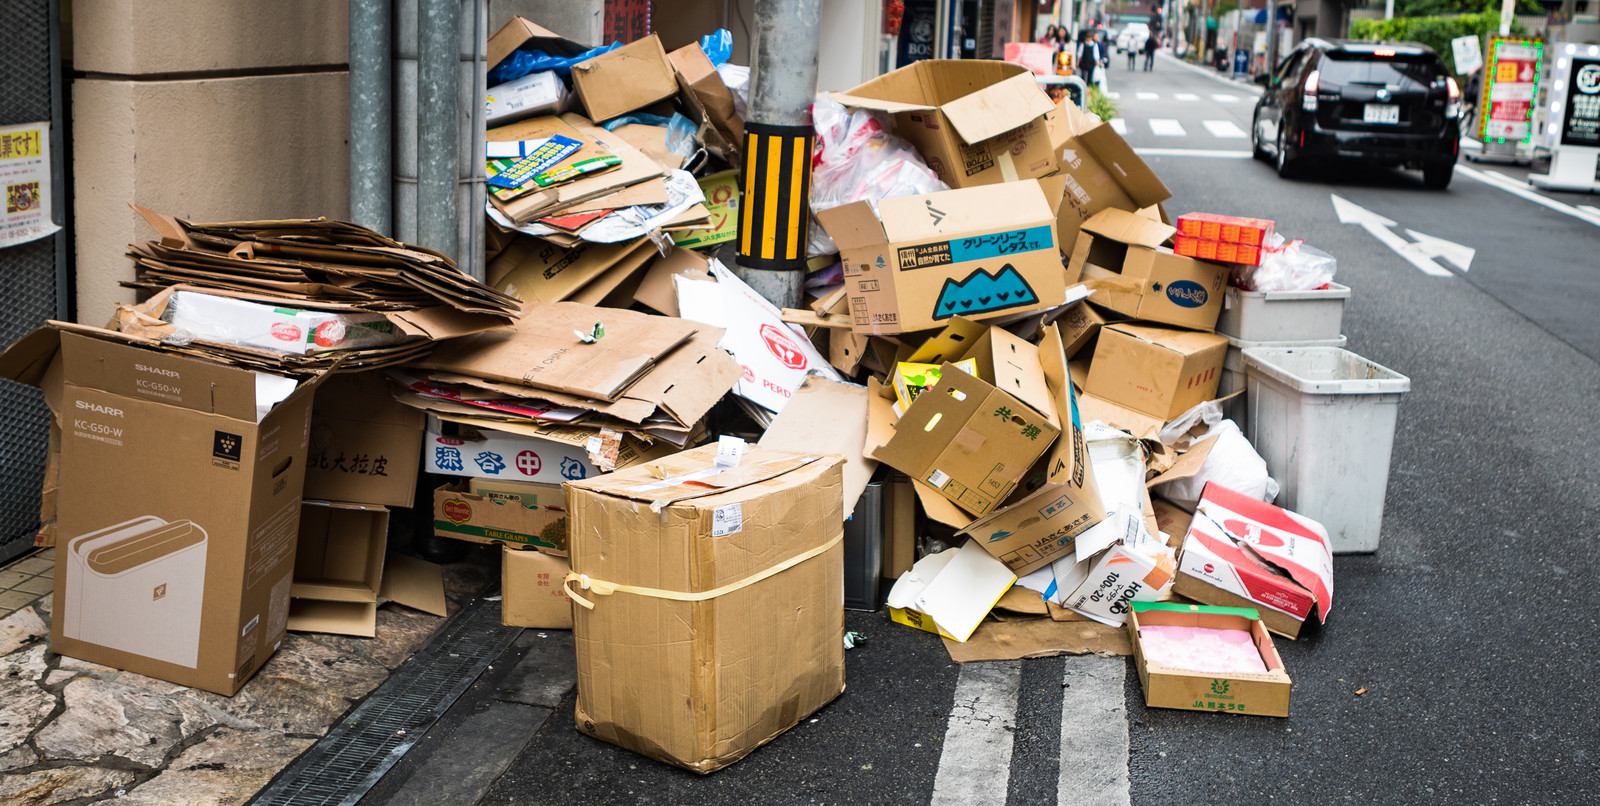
{"x": 1241, "y": 552}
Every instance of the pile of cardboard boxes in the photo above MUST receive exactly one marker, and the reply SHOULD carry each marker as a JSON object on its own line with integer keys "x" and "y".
{"x": 965, "y": 423}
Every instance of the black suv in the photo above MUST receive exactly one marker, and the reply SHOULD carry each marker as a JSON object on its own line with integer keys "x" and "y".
{"x": 1386, "y": 103}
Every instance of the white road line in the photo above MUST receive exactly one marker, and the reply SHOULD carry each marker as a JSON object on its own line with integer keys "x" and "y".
{"x": 1589, "y": 208}
{"x": 1186, "y": 96}
{"x": 1205, "y": 153}
{"x": 1094, "y": 733}
{"x": 1147, "y": 96}
{"x": 1166, "y": 127}
{"x": 1114, "y": 95}
{"x": 1509, "y": 185}
{"x": 1225, "y": 129}
{"x": 1224, "y": 98}
{"x": 1119, "y": 125}
{"x": 975, "y": 764}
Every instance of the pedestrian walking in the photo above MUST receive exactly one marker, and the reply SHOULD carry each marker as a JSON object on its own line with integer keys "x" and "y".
{"x": 1151, "y": 42}
{"x": 1090, "y": 56}
{"x": 1132, "y": 54}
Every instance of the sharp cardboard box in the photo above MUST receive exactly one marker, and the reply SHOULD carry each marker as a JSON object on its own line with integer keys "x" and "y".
{"x": 495, "y": 511}
{"x": 519, "y": 33}
{"x": 340, "y": 573}
{"x": 452, "y": 449}
{"x": 1079, "y": 327}
{"x": 912, "y": 263}
{"x": 530, "y": 590}
{"x": 179, "y": 507}
{"x": 628, "y": 78}
{"x": 967, "y": 439}
{"x": 975, "y": 122}
{"x": 711, "y": 613}
{"x": 1098, "y": 171}
{"x": 1166, "y": 686}
{"x": 365, "y": 446}
{"x": 1154, "y": 370}
{"x": 1119, "y": 255}
{"x": 1240, "y": 552}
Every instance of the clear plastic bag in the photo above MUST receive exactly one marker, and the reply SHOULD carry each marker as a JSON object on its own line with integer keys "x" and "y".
{"x": 856, "y": 158}
{"x": 1290, "y": 266}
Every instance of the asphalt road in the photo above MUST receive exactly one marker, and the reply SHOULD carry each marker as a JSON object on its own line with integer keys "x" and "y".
{"x": 1472, "y": 629}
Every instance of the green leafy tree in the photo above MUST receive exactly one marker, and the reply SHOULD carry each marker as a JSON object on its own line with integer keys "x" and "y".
{"x": 1433, "y": 31}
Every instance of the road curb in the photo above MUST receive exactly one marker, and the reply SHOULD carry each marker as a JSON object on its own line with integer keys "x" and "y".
{"x": 1209, "y": 73}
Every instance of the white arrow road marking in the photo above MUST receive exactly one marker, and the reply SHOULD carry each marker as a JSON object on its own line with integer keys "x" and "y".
{"x": 1498, "y": 180}
{"x": 1449, "y": 251}
{"x": 975, "y": 764}
{"x": 1166, "y": 127}
{"x": 1119, "y": 125}
{"x": 1378, "y": 226}
{"x": 1224, "y": 129}
{"x": 1094, "y": 734}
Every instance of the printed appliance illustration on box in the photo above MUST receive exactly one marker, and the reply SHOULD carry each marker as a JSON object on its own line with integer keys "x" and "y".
{"x": 138, "y": 587}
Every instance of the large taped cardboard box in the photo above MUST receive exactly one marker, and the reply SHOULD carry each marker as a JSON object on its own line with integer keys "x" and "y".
{"x": 1260, "y": 694}
{"x": 365, "y": 446}
{"x": 717, "y": 595}
{"x": 1155, "y": 370}
{"x": 1119, "y": 255}
{"x": 912, "y": 263}
{"x": 974, "y": 122}
{"x": 177, "y": 566}
{"x": 530, "y": 590}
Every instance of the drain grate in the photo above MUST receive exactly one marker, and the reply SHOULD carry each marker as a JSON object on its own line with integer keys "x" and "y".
{"x": 357, "y": 752}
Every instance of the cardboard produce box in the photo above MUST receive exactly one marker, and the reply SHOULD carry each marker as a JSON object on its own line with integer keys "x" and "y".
{"x": 179, "y": 507}
{"x": 365, "y": 446}
{"x": 530, "y": 590}
{"x": 912, "y": 263}
{"x": 711, "y": 615}
{"x": 628, "y": 78}
{"x": 1259, "y": 693}
{"x": 498, "y": 511}
{"x": 969, "y": 440}
{"x": 1119, "y": 255}
{"x": 1156, "y": 371}
{"x": 975, "y": 122}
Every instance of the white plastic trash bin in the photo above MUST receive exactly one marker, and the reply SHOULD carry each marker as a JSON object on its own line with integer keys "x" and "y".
{"x": 1233, "y": 372}
{"x": 1283, "y": 315}
{"x": 1324, "y": 419}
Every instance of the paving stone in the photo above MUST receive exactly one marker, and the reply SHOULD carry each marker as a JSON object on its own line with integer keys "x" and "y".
{"x": 58, "y": 676}
{"x": 226, "y": 769}
{"x": 111, "y": 717}
{"x": 23, "y": 705}
{"x": 350, "y": 676}
{"x": 47, "y": 787}
{"x": 84, "y": 666}
{"x": 151, "y": 684}
{"x": 46, "y": 605}
{"x": 401, "y": 631}
{"x": 281, "y": 704}
{"x": 21, "y": 629}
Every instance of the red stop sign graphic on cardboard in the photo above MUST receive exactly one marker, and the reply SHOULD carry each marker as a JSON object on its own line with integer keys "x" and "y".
{"x": 528, "y": 463}
{"x": 782, "y": 345}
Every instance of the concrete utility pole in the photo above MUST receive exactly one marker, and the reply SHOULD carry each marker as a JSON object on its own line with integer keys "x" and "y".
{"x": 776, "y": 214}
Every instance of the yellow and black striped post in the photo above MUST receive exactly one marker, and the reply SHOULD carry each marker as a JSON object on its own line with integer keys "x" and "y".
{"x": 775, "y": 214}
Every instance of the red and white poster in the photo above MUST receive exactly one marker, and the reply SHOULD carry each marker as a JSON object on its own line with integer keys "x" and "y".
{"x": 25, "y": 179}
{"x": 1511, "y": 83}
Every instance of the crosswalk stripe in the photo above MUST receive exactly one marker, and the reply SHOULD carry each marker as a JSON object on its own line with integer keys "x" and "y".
{"x": 1224, "y": 98}
{"x": 1186, "y": 96}
{"x": 1147, "y": 96}
{"x": 1119, "y": 125}
{"x": 1114, "y": 95}
{"x": 976, "y": 760}
{"x": 1166, "y": 127}
{"x": 1225, "y": 129}
{"x": 1094, "y": 734}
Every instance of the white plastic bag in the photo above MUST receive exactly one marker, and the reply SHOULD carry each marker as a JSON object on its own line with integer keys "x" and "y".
{"x": 1293, "y": 266}
{"x": 1232, "y": 463}
{"x": 856, "y": 158}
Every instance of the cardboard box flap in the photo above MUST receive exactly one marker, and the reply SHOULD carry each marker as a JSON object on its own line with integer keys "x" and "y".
{"x": 27, "y": 359}
{"x": 694, "y": 474}
{"x": 998, "y": 108}
{"x": 111, "y": 362}
{"x": 1129, "y": 228}
{"x": 855, "y": 100}
{"x": 1187, "y": 466}
{"x": 519, "y": 32}
{"x": 829, "y": 417}
{"x": 415, "y": 583}
{"x": 1182, "y": 341}
{"x": 852, "y": 226}
{"x": 941, "y": 509}
{"x": 986, "y": 208}
{"x": 442, "y": 322}
{"x": 1125, "y": 166}
{"x": 357, "y": 619}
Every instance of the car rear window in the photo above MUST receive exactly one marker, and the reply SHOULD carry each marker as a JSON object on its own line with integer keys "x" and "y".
{"x": 1370, "y": 69}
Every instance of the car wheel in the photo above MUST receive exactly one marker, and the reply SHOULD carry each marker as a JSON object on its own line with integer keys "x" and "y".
{"x": 1287, "y": 168}
{"x": 1436, "y": 175}
{"x": 1256, "y": 151}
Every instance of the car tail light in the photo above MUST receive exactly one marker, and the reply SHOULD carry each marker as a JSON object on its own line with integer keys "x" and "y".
{"x": 1383, "y": 52}
{"x": 1309, "y": 101}
{"x": 1455, "y": 89}
{"x": 1452, "y": 109}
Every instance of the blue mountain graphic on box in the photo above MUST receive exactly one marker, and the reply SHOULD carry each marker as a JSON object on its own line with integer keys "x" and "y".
{"x": 982, "y": 292}
{"x": 1000, "y": 535}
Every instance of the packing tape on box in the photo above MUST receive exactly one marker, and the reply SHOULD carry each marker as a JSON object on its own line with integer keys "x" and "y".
{"x": 602, "y": 588}
{"x": 1114, "y": 283}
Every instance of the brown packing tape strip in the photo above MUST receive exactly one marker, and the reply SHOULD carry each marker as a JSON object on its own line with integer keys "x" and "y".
{"x": 1115, "y": 283}
{"x": 603, "y": 588}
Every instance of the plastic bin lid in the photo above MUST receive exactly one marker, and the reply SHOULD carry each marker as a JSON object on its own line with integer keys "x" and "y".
{"x": 1324, "y": 371}
{"x": 1333, "y": 291}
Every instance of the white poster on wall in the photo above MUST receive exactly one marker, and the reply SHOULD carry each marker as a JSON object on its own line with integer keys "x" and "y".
{"x": 25, "y": 180}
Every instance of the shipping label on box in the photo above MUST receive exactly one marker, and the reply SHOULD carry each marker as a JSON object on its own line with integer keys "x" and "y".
{"x": 914, "y": 262}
